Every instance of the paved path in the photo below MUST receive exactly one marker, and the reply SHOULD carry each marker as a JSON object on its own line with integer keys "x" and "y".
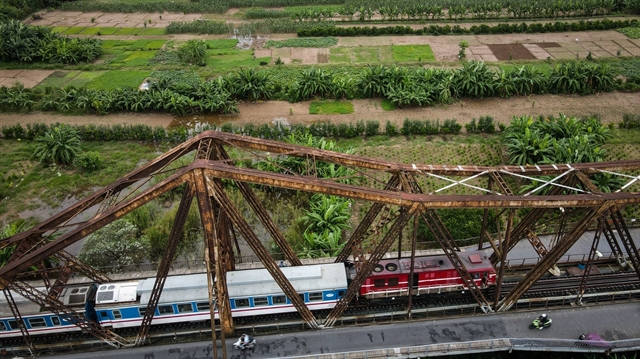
{"x": 612, "y": 322}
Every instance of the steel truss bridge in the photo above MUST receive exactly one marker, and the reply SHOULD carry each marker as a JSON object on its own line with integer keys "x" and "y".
{"x": 392, "y": 193}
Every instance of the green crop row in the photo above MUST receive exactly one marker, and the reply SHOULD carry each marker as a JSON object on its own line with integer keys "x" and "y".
{"x": 403, "y": 86}
{"x": 557, "y": 26}
{"x": 195, "y": 6}
{"x": 26, "y": 43}
{"x": 268, "y": 26}
{"x": 303, "y": 42}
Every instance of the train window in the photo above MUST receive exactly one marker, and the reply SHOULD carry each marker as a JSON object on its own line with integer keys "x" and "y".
{"x": 2, "y": 326}
{"x": 393, "y": 281}
{"x": 315, "y": 297}
{"x": 118, "y": 315}
{"x": 14, "y": 325}
{"x": 278, "y": 299}
{"x": 55, "y": 320}
{"x": 185, "y": 308}
{"x": 104, "y": 315}
{"x": 476, "y": 275}
{"x": 242, "y": 303}
{"x": 74, "y": 291}
{"x": 37, "y": 322}
{"x": 142, "y": 311}
{"x": 341, "y": 293}
{"x": 203, "y": 306}
{"x": 378, "y": 283}
{"x": 165, "y": 309}
{"x": 301, "y": 297}
{"x": 260, "y": 301}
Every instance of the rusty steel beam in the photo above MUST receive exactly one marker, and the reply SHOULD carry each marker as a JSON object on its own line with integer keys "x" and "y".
{"x": 315, "y": 185}
{"x": 63, "y": 277}
{"x": 10, "y": 270}
{"x": 163, "y": 270}
{"x": 19, "y": 321}
{"x": 592, "y": 256}
{"x": 247, "y": 142}
{"x": 82, "y": 267}
{"x": 68, "y": 314}
{"x": 363, "y": 227}
{"x": 552, "y": 257}
{"x": 261, "y": 213}
{"x": 450, "y": 248}
{"x": 258, "y": 248}
{"x": 370, "y": 263}
{"x": 626, "y": 239}
{"x": 503, "y": 258}
{"x": 208, "y": 217}
{"x": 530, "y": 219}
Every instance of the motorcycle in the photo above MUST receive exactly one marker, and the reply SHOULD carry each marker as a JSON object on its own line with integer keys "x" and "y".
{"x": 242, "y": 346}
{"x": 537, "y": 324}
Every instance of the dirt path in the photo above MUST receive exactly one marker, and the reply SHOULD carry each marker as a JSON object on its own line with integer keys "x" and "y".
{"x": 609, "y": 106}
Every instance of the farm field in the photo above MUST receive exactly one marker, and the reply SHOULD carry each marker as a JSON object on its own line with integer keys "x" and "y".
{"x": 137, "y": 46}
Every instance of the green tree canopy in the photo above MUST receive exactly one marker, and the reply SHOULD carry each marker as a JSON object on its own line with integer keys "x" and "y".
{"x": 116, "y": 244}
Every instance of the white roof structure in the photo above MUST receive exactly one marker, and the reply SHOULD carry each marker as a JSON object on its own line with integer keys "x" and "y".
{"x": 182, "y": 288}
{"x": 303, "y": 278}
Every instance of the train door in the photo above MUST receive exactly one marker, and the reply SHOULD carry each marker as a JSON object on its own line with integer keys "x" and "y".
{"x": 416, "y": 281}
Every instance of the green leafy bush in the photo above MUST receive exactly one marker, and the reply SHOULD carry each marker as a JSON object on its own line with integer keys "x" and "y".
{"x": 25, "y": 43}
{"x": 194, "y": 52}
{"x": 60, "y": 145}
{"x": 303, "y": 42}
{"x": 89, "y": 161}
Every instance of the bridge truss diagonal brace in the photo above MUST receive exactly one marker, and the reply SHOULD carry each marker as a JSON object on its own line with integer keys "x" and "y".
{"x": 370, "y": 263}
{"x": 531, "y": 218}
{"x": 261, "y": 213}
{"x": 626, "y": 239}
{"x": 19, "y": 321}
{"x": 592, "y": 256}
{"x": 258, "y": 248}
{"x": 450, "y": 249}
{"x": 10, "y": 270}
{"x": 165, "y": 264}
{"x": 68, "y": 314}
{"x": 552, "y": 257}
{"x": 360, "y": 232}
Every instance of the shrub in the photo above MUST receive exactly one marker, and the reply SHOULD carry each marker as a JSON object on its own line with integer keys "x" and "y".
{"x": 89, "y": 161}
{"x": 390, "y": 129}
{"x": 372, "y": 128}
{"x": 194, "y": 52}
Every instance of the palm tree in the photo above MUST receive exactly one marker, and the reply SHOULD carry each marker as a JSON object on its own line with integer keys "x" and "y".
{"x": 61, "y": 145}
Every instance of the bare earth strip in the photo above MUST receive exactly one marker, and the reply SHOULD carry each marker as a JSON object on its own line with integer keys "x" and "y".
{"x": 609, "y": 106}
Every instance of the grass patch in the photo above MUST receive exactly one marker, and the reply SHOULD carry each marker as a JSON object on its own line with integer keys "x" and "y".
{"x": 25, "y": 180}
{"x": 406, "y": 53}
{"x": 303, "y": 42}
{"x": 73, "y": 30}
{"x": 221, "y": 44}
{"x": 58, "y": 79}
{"x": 139, "y": 58}
{"x": 152, "y": 31}
{"x": 365, "y": 54}
{"x": 147, "y": 45}
{"x": 331, "y": 108}
{"x": 231, "y": 59}
{"x": 109, "y": 80}
{"x": 128, "y": 31}
{"x": 91, "y": 31}
{"x": 340, "y": 54}
{"x": 632, "y": 32}
{"x": 59, "y": 29}
{"x": 107, "y": 30}
{"x": 387, "y": 105}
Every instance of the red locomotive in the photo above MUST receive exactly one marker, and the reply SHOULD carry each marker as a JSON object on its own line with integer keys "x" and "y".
{"x": 432, "y": 274}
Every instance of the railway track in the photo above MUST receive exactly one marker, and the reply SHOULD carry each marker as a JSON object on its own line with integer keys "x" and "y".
{"x": 548, "y": 292}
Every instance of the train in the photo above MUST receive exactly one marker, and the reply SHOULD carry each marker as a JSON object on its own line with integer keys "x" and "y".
{"x": 252, "y": 292}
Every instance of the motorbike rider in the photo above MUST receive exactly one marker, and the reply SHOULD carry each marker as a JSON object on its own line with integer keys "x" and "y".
{"x": 543, "y": 320}
{"x": 245, "y": 340}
